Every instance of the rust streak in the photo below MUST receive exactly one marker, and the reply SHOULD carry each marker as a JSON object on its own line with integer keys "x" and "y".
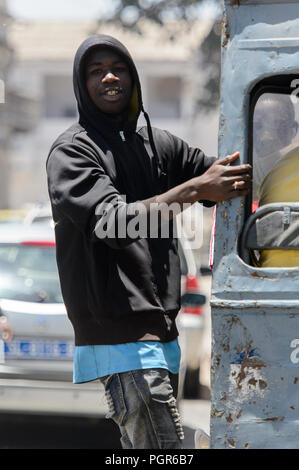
{"x": 255, "y": 274}
{"x": 225, "y": 32}
{"x": 281, "y": 418}
{"x": 272, "y": 420}
{"x": 231, "y": 442}
{"x": 252, "y": 382}
{"x": 262, "y": 384}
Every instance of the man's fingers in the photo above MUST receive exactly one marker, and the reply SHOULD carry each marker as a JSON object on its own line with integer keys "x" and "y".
{"x": 234, "y": 170}
{"x": 238, "y": 170}
{"x": 240, "y": 185}
{"x": 238, "y": 177}
{"x": 228, "y": 159}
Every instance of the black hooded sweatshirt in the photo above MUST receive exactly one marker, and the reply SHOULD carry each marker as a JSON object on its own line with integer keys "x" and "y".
{"x": 116, "y": 289}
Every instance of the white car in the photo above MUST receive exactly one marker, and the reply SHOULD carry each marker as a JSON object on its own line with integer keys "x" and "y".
{"x": 36, "y": 367}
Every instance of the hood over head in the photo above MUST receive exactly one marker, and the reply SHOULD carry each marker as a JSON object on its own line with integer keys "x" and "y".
{"x": 88, "y": 111}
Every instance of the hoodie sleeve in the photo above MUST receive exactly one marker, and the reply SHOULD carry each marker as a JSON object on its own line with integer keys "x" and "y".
{"x": 82, "y": 192}
{"x": 184, "y": 162}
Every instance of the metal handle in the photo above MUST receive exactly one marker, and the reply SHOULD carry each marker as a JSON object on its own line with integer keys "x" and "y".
{"x": 261, "y": 212}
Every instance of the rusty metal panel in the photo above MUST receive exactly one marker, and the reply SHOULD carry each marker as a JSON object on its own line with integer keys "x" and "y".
{"x": 255, "y": 311}
{"x": 255, "y": 387}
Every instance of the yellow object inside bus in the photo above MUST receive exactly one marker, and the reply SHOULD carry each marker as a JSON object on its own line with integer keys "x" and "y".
{"x": 281, "y": 185}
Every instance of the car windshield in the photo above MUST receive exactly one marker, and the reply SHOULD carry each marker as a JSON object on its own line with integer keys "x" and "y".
{"x": 29, "y": 273}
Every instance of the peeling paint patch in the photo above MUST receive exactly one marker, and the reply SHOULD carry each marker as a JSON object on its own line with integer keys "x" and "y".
{"x": 216, "y": 413}
{"x": 248, "y": 360}
{"x": 246, "y": 382}
{"x": 241, "y": 357}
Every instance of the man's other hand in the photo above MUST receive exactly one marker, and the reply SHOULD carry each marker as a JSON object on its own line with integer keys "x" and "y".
{"x": 222, "y": 181}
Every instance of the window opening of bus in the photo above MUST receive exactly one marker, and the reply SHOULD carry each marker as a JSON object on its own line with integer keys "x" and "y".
{"x": 274, "y": 155}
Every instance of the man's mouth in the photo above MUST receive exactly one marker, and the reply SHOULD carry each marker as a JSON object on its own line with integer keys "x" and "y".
{"x": 112, "y": 91}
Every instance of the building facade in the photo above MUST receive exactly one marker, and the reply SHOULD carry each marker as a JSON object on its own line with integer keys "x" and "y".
{"x": 18, "y": 111}
{"x": 42, "y": 70}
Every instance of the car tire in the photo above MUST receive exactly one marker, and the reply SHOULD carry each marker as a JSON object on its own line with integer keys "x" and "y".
{"x": 192, "y": 384}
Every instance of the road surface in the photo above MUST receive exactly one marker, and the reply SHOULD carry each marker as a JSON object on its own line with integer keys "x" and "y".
{"x": 50, "y": 432}
{"x": 195, "y": 414}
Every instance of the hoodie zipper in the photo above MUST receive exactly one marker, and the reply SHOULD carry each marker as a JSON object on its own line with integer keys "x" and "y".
{"x": 122, "y": 135}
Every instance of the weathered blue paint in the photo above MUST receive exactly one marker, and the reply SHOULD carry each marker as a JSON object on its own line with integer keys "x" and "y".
{"x": 240, "y": 356}
{"x": 255, "y": 312}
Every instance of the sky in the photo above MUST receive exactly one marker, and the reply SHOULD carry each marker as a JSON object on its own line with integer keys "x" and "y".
{"x": 64, "y": 10}
{"x": 58, "y": 9}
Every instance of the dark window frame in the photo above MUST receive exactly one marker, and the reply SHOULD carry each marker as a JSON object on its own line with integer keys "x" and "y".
{"x": 280, "y": 84}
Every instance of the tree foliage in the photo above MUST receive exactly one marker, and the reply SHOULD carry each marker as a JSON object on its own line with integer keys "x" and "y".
{"x": 210, "y": 52}
{"x": 129, "y": 14}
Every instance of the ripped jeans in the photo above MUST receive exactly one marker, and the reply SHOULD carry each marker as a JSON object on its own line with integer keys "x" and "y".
{"x": 143, "y": 404}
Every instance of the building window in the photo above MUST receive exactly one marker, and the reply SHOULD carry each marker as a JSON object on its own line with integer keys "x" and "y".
{"x": 164, "y": 97}
{"x": 59, "y": 99}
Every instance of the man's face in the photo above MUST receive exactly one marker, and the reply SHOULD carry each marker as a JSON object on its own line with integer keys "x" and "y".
{"x": 274, "y": 127}
{"x": 109, "y": 82}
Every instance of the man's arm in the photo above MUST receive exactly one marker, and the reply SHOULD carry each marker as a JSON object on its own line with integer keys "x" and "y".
{"x": 219, "y": 183}
{"x": 81, "y": 190}
{"x": 192, "y": 175}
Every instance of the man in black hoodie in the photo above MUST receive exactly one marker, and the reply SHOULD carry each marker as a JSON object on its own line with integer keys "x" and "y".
{"x": 122, "y": 289}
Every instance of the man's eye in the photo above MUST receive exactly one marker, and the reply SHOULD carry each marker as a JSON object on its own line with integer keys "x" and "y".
{"x": 94, "y": 71}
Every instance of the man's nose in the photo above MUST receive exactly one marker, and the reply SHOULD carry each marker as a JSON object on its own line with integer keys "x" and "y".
{"x": 110, "y": 78}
